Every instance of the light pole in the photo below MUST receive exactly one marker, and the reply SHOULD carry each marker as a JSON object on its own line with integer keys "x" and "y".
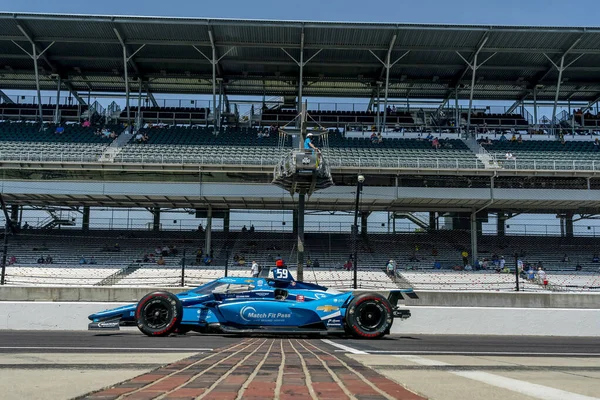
{"x": 360, "y": 181}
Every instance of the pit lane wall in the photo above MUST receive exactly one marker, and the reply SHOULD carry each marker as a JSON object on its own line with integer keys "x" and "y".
{"x": 480, "y": 313}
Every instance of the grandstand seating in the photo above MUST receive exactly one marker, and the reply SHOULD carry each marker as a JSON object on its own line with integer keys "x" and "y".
{"x": 26, "y": 141}
{"x": 414, "y": 255}
{"x": 18, "y": 112}
{"x": 335, "y": 118}
{"x": 536, "y": 154}
{"x": 193, "y": 145}
{"x": 168, "y": 114}
{"x": 496, "y": 119}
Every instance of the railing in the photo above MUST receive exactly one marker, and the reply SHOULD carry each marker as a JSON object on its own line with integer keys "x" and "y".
{"x": 333, "y": 162}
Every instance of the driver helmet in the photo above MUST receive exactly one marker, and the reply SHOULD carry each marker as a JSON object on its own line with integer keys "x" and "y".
{"x": 309, "y": 135}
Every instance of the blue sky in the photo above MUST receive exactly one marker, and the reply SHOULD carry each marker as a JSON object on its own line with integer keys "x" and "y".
{"x": 507, "y": 12}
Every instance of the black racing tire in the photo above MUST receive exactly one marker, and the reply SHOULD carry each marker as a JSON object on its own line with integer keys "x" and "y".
{"x": 159, "y": 314}
{"x": 369, "y": 316}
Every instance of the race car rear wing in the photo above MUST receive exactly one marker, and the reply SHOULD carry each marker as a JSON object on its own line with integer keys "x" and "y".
{"x": 396, "y": 295}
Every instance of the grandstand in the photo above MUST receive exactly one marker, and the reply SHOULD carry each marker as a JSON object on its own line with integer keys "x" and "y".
{"x": 214, "y": 154}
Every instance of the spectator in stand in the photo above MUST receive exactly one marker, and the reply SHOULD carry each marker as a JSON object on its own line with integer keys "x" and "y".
{"x": 254, "y": 269}
{"x": 200, "y": 228}
{"x": 437, "y": 264}
{"x": 199, "y": 254}
{"x": 165, "y": 251}
{"x": 12, "y": 260}
{"x": 86, "y": 124}
{"x": 379, "y": 138}
{"x": 596, "y": 144}
{"x": 207, "y": 260}
{"x": 503, "y": 138}
{"x": 49, "y": 260}
{"x": 542, "y": 278}
{"x": 468, "y": 267}
{"x": 596, "y": 259}
{"x": 92, "y": 261}
{"x": 244, "y": 229}
{"x": 316, "y": 263}
{"x": 390, "y": 268}
{"x": 160, "y": 261}
{"x": 59, "y": 130}
{"x": 465, "y": 257}
{"x": 145, "y": 258}
{"x": 565, "y": 258}
{"x": 435, "y": 143}
{"x": 251, "y": 228}
{"x": 373, "y": 137}
{"x": 520, "y": 139}
{"x": 530, "y": 273}
{"x": 26, "y": 226}
{"x": 502, "y": 263}
{"x": 82, "y": 260}
{"x": 509, "y": 156}
{"x": 348, "y": 265}
{"x": 139, "y": 137}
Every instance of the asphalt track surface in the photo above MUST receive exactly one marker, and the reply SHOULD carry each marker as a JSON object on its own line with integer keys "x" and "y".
{"x": 134, "y": 341}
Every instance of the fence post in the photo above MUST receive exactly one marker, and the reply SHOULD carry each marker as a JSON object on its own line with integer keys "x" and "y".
{"x": 183, "y": 269}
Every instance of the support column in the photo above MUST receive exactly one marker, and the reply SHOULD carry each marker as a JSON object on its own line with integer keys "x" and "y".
{"x": 300, "y": 252}
{"x": 378, "y": 118}
{"x": 156, "y": 219}
{"x": 501, "y": 224}
{"x": 37, "y": 84}
{"x": 14, "y": 214}
{"x": 535, "y": 109}
{"x": 387, "y": 85}
{"x": 301, "y": 79}
{"x": 214, "y": 87}
{"x": 226, "y": 221}
{"x": 364, "y": 219}
{"x": 560, "y": 71}
{"x": 295, "y": 221}
{"x": 56, "y": 116}
{"x": 474, "y": 68}
{"x": 138, "y": 121}
{"x": 85, "y": 224}
{"x": 569, "y": 224}
{"x": 432, "y": 221}
{"x": 474, "y": 250}
{"x": 456, "y": 112}
{"x": 208, "y": 230}
{"x": 126, "y": 87}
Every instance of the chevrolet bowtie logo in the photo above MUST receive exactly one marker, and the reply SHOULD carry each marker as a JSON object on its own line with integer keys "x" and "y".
{"x": 327, "y": 308}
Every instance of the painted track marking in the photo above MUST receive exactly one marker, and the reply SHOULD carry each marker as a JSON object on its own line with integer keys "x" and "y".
{"x": 254, "y": 373}
{"x": 355, "y": 372}
{"x": 345, "y": 348}
{"x": 515, "y": 385}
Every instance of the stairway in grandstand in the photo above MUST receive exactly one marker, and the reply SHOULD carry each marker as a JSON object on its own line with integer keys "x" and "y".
{"x": 115, "y": 148}
{"x": 115, "y": 278}
{"x": 482, "y": 154}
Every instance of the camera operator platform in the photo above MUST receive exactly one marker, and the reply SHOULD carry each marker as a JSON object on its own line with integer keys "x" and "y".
{"x": 303, "y": 170}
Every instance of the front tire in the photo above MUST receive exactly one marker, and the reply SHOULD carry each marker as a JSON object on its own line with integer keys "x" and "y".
{"x": 159, "y": 314}
{"x": 369, "y": 316}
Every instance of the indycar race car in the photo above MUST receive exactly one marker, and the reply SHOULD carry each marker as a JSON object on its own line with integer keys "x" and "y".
{"x": 278, "y": 305}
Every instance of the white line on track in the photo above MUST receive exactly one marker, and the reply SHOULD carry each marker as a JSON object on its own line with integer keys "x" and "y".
{"x": 345, "y": 348}
{"x": 478, "y": 353}
{"x": 177, "y": 349}
{"x": 515, "y": 385}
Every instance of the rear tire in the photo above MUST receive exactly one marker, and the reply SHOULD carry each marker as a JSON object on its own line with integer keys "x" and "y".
{"x": 159, "y": 314}
{"x": 369, "y": 316}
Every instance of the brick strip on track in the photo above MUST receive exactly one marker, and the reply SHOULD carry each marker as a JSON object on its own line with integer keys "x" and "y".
{"x": 261, "y": 369}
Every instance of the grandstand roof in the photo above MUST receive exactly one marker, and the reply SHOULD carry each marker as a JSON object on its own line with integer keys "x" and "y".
{"x": 343, "y": 57}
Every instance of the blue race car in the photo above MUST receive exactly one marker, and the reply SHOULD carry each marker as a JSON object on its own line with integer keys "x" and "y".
{"x": 278, "y": 305}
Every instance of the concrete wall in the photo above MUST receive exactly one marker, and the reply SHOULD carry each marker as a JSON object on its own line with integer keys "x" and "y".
{"x": 426, "y": 298}
{"x": 29, "y": 315}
